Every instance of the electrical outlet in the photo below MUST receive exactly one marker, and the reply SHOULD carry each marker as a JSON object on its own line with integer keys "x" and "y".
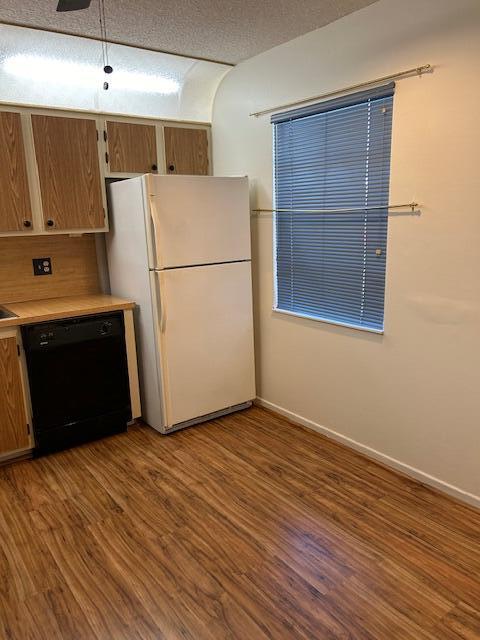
{"x": 42, "y": 266}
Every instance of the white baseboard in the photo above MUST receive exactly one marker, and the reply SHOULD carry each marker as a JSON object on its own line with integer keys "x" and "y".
{"x": 406, "y": 469}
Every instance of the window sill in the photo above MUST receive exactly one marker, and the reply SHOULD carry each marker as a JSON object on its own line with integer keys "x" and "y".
{"x": 317, "y": 319}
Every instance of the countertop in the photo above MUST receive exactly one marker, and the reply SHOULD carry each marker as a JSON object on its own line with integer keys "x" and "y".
{"x": 57, "y": 308}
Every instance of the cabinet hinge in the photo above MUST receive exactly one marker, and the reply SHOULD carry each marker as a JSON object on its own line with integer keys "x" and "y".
{"x": 97, "y": 135}
{"x": 105, "y": 135}
{"x": 18, "y": 349}
{"x": 106, "y": 157}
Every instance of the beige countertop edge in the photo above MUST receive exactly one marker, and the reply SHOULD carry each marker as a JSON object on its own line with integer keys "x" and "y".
{"x": 59, "y": 308}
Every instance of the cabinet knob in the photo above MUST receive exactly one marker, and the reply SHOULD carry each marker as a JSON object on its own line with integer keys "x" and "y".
{"x": 154, "y": 167}
{"x": 27, "y": 223}
{"x": 171, "y": 167}
{"x": 50, "y": 223}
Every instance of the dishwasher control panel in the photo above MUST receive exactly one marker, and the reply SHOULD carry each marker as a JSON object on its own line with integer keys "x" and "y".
{"x": 72, "y": 330}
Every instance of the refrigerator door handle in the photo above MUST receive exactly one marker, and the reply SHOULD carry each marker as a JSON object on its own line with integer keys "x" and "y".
{"x": 158, "y": 299}
{"x": 153, "y": 236}
{"x": 162, "y": 311}
{"x": 163, "y": 317}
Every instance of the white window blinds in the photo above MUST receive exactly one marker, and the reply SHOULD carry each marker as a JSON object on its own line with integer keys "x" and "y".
{"x": 334, "y": 155}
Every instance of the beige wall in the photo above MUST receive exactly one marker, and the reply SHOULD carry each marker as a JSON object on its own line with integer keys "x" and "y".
{"x": 413, "y": 394}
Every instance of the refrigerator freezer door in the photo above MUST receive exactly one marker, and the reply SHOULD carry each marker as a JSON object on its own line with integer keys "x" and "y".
{"x": 206, "y": 330}
{"x": 198, "y": 220}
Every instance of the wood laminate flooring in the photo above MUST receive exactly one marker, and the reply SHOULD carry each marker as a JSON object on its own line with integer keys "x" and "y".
{"x": 246, "y": 527}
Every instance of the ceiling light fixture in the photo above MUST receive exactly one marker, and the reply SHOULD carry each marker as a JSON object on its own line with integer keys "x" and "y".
{"x": 42, "y": 69}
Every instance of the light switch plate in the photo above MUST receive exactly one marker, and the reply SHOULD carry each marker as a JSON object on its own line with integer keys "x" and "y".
{"x": 42, "y": 266}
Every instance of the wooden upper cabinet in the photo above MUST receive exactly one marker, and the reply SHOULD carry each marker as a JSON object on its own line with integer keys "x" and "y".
{"x": 13, "y": 418}
{"x": 132, "y": 148}
{"x": 186, "y": 151}
{"x": 66, "y": 151}
{"x": 15, "y": 206}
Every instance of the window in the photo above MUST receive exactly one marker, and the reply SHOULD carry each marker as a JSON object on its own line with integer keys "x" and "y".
{"x": 330, "y": 265}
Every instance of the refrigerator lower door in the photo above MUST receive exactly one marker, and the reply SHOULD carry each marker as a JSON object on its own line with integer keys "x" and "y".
{"x": 206, "y": 336}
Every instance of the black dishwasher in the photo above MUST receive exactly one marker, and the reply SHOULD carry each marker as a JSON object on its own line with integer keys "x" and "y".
{"x": 78, "y": 378}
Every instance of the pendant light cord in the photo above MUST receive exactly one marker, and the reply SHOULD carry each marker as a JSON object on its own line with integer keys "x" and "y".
{"x": 103, "y": 32}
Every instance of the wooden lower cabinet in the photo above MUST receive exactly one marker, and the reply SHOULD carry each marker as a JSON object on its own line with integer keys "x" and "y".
{"x": 14, "y": 430}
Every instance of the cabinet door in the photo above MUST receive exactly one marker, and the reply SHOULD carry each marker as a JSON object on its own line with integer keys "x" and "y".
{"x": 132, "y": 148}
{"x": 15, "y": 207}
{"x": 13, "y": 418}
{"x": 186, "y": 151}
{"x": 66, "y": 150}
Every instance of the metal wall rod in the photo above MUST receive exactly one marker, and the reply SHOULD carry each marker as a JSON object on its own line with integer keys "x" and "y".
{"x": 50, "y": 29}
{"x": 401, "y": 74}
{"x": 409, "y": 205}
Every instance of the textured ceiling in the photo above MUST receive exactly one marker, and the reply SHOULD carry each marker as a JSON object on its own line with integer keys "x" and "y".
{"x": 230, "y": 31}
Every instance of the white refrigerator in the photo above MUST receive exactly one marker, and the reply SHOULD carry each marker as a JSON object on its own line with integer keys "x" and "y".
{"x": 180, "y": 247}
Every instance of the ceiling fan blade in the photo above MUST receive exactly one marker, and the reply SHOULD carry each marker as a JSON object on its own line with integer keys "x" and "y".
{"x": 72, "y": 5}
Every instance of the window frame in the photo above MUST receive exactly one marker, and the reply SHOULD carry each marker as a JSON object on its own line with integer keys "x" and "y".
{"x": 355, "y": 99}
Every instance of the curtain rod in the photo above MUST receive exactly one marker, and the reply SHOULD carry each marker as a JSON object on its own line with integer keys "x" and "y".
{"x": 409, "y": 205}
{"x": 401, "y": 74}
{"x": 117, "y": 42}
